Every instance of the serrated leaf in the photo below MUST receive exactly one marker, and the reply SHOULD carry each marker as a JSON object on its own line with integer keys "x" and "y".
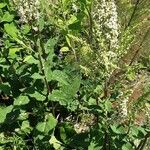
{"x": 48, "y": 125}
{"x": 21, "y": 100}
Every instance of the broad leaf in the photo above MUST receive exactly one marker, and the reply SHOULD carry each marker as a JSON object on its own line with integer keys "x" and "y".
{"x": 21, "y": 100}
{"x": 4, "y": 111}
{"x": 7, "y": 17}
{"x": 38, "y": 96}
{"x": 2, "y": 5}
{"x": 11, "y": 30}
{"x": 56, "y": 144}
{"x": 48, "y": 125}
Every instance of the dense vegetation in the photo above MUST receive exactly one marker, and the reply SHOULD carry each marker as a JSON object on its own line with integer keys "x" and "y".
{"x": 74, "y": 74}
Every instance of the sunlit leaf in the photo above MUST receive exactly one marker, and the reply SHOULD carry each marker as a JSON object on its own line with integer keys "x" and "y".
{"x": 7, "y": 17}
{"x": 21, "y": 100}
{"x": 48, "y": 125}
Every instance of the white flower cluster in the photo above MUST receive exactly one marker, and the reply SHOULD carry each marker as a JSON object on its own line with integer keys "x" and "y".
{"x": 124, "y": 109}
{"x": 28, "y": 10}
{"x": 123, "y": 105}
{"x": 106, "y": 18}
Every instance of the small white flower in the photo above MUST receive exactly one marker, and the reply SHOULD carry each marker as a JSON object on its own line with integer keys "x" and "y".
{"x": 106, "y": 17}
{"x": 28, "y": 10}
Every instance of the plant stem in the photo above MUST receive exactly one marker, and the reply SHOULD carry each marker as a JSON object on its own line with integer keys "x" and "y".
{"x": 90, "y": 24}
{"x": 138, "y": 50}
{"x": 142, "y": 143}
{"x": 133, "y": 14}
{"x": 39, "y": 49}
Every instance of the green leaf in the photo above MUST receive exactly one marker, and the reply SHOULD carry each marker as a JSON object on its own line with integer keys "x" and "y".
{"x": 56, "y": 144}
{"x": 30, "y": 60}
{"x": 23, "y": 115}
{"x": 68, "y": 41}
{"x": 37, "y": 76}
{"x": 64, "y": 49}
{"x": 12, "y": 51}
{"x": 98, "y": 89}
{"x": 60, "y": 76}
{"x": 117, "y": 129}
{"x": 142, "y": 130}
{"x": 59, "y": 96}
{"x": 134, "y": 131}
{"x": 49, "y": 46}
{"x": 25, "y": 29}
{"x": 2, "y": 5}
{"x": 63, "y": 135}
{"x": 94, "y": 146}
{"x": 41, "y": 24}
{"x": 7, "y": 17}
{"x": 21, "y": 100}
{"x": 108, "y": 105}
{"x": 72, "y": 20}
{"x": 5, "y": 87}
{"x": 48, "y": 125}
{"x": 38, "y": 96}
{"x": 11, "y": 30}
{"x": 91, "y": 101}
{"x": 127, "y": 146}
{"x": 67, "y": 91}
{"x": 25, "y": 127}
{"x": 4, "y": 111}
{"x": 48, "y": 73}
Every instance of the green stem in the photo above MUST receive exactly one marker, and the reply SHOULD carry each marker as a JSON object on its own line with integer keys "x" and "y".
{"x": 39, "y": 49}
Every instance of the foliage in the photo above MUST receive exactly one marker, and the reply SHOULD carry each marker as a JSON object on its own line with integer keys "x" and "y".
{"x": 73, "y": 77}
